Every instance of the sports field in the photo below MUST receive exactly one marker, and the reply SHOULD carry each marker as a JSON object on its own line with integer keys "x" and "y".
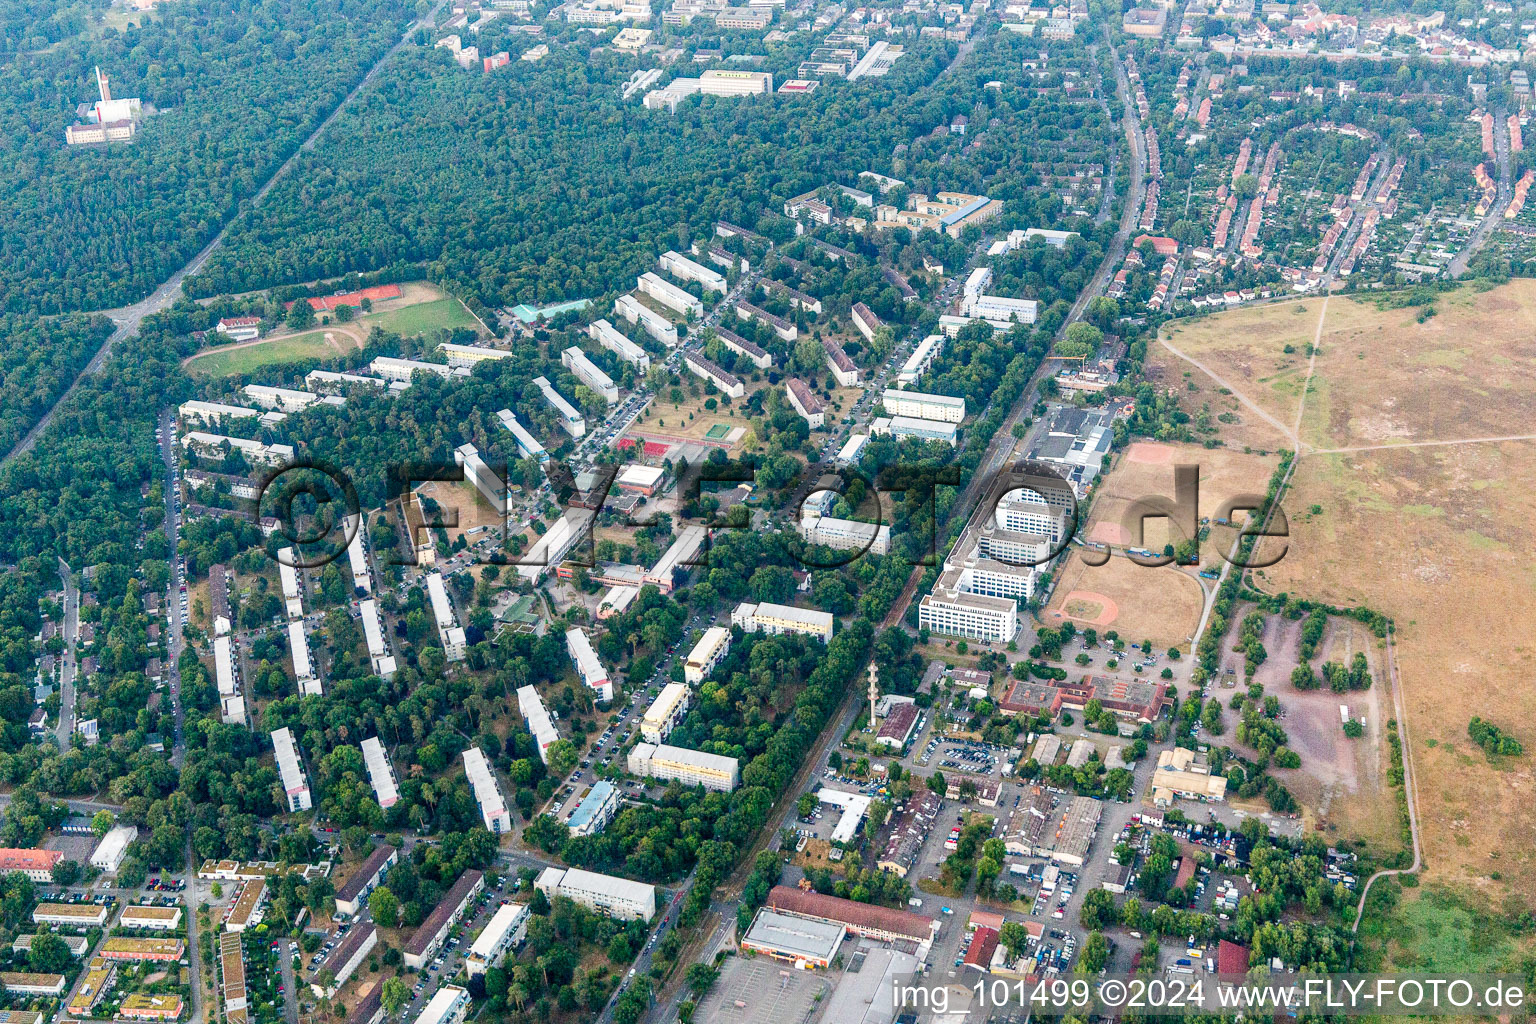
{"x": 1412, "y": 496}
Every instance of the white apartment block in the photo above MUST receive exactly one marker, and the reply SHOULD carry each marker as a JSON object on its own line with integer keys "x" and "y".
{"x": 281, "y": 399}
{"x": 295, "y": 785}
{"x": 329, "y": 381}
{"x": 449, "y": 1005}
{"x": 679, "y": 764}
{"x": 917, "y": 405}
{"x": 540, "y": 724}
{"x": 472, "y": 355}
{"x": 606, "y": 894}
{"x": 449, "y": 632}
{"x": 590, "y": 374}
{"x": 381, "y": 774}
{"x": 373, "y": 634}
{"x": 528, "y": 446}
{"x": 213, "y": 414}
{"x": 504, "y": 932}
{"x": 845, "y": 534}
{"x": 728, "y": 383}
{"x": 213, "y": 446}
{"x": 486, "y": 480}
{"x": 403, "y": 370}
{"x": 482, "y": 780}
{"x": 685, "y": 269}
{"x": 706, "y": 654}
{"x": 806, "y": 403}
{"x": 588, "y": 666}
{"x": 844, "y": 370}
{"x": 742, "y": 346}
{"x": 609, "y": 337}
{"x": 665, "y": 712}
{"x": 782, "y": 618}
{"x": 920, "y": 360}
{"x": 996, "y": 307}
{"x": 550, "y": 550}
{"x": 303, "y": 665}
{"x": 571, "y": 421}
{"x": 668, "y": 294}
{"x": 656, "y": 325}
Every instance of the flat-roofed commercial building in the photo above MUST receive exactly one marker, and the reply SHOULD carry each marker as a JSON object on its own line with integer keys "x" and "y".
{"x": 381, "y": 774}
{"x": 502, "y": 933}
{"x": 354, "y": 891}
{"x": 571, "y": 421}
{"x": 151, "y": 919}
{"x": 846, "y": 534}
{"x": 97, "y": 979}
{"x": 639, "y": 479}
{"x": 782, "y": 618}
{"x": 528, "y": 446}
{"x": 482, "y": 780}
{"x": 806, "y": 403}
{"x": 753, "y": 19}
{"x": 448, "y": 1005}
{"x": 150, "y": 1006}
{"x": 428, "y": 939}
{"x": 920, "y": 360}
{"x": 70, "y": 915}
{"x": 295, "y": 785}
{"x": 550, "y": 550}
{"x": 668, "y": 294}
{"x": 587, "y": 663}
{"x": 678, "y": 558}
{"x": 347, "y": 957}
{"x": 706, "y": 654}
{"x": 609, "y": 337}
{"x": 486, "y": 480}
{"x": 666, "y": 711}
{"x": 596, "y": 809}
{"x": 245, "y": 912}
{"x": 30, "y": 984}
{"x": 120, "y": 948}
{"x": 606, "y": 894}
{"x": 637, "y": 312}
{"x": 744, "y": 347}
{"x": 472, "y": 355}
{"x": 798, "y": 940}
{"x": 685, "y": 269}
{"x": 35, "y": 864}
{"x": 883, "y": 924}
{"x": 449, "y": 632}
{"x": 590, "y": 374}
{"x": 690, "y": 767}
{"x": 728, "y": 383}
{"x": 1182, "y": 773}
{"x": 536, "y": 715}
{"x": 917, "y": 405}
{"x": 78, "y": 945}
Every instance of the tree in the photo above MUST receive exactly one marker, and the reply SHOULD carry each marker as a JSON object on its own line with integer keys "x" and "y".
{"x": 384, "y": 906}
{"x": 806, "y": 805}
{"x": 101, "y": 823}
{"x": 301, "y": 315}
{"x": 1098, "y": 909}
{"x": 49, "y": 954}
{"x": 66, "y": 872}
{"x": 937, "y": 784}
{"x": 1095, "y": 954}
{"x": 1013, "y": 938}
{"x": 394, "y": 995}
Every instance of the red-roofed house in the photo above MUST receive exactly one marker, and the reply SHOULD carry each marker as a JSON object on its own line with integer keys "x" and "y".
{"x": 240, "y": 328}
{"x": 983, "y": 949}
{"x": 1161, "y": 244}
{"x": 1231, "y": 958}
{"x": 882, "y": 924}
{"x": 35, "y": 864}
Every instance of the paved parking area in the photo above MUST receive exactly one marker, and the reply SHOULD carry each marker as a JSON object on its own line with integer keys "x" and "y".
{"x": 762, "y": 991}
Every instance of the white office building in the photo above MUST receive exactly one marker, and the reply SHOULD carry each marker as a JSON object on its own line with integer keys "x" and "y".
{"x": 449, "y": 632}
{"x": 845, "y": 534}
{"x": 679, "y": 764}
{"x": 656, "y": 325}
{"x": 953, "y": 612}
{"x": 606, "y": 894}
{"x": 295, "y": 784}
{"x": 609, "y": 337}
{"x": 109, "y": 853}
{"x": 685, "y": 269}
{"x": 502, "y": 933}
{"x": 706, "y": 654}
{"x": 482, "y": 781}
{"x": 528, "y": 446}
{"x": 571, "y": 421}
{"x": 666, "y": 711}
{"x": 782, "y": 618}
{"x": 668, "y": 294}
{"x": 381, "y": 774}
{"x": 540, "y": 724}
{"x": 917, "y": 405}
{"x": 590, "y": 374}
{"x": 996, "y": 307}
{"x": 591, "y": 670}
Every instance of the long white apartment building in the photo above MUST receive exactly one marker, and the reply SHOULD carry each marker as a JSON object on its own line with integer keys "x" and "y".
{"x": 852, "y": 449}
{"x": 373, "y": 634}
{"x": 471, "y": 355}
{"x": 996, "y": 307}
{"x": 540, "y": 724}
{"x": 844, "y": 370}
{"x": 486, "y": 480}
{"x": 357, "y": 560}
{"x": 503, "y": 933}
{"x": 609, "y": 337}
{"x": 920, "y": 360}
{"x": 550, "y": 550}
{"x": 323, "y": 382}
{"x": 845, "y": 534}
{"x": 668, "y": 294}
{"x": 391, "y": 368}
{"x": 482, "y": 781}
{"x": 528, "y": 446}
{"x": 656, "y": 325}
{"x": 571, "y": 421}
{"x": 950, "y": 326}
{"x": 685, "y": 269}
{"x": 303, "y": 664}
{"x": 281, "y": 399}
{"x": 678, "y": 558}
{"x": 448, "y": 1005}
{"x": 606, "y": 894}
{"x": 288, "y": 580}
{"x": 295, "y": 784}
{"x": 782, "y": 618}
{"x": 590, "y": 374}
{"x": 449, "y": 632}
{"x": 917, "y": 405}
{"x": 213, "y": 414}
{"x": 783, "y": 328}
{"x": 806, "y": 402}
{"x": 711, "y": 649}
{"x": 728, "y": 383}
{"x": 588, "y": 666}
{"x": 665, "y": 712}
{"x": 381, "y": 774}
{"x": 690, "y": 767}
{"x": 226, "y": 678}
{"x": 213, "y": 446}
{"x": 742, "y": 346}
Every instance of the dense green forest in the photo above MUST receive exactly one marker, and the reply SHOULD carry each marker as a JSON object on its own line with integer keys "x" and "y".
{"x": 234, "y": 88}
{"x": 536, "y": 184}
{"x": 36, "y": 24}
{"x": 38, "y": 360}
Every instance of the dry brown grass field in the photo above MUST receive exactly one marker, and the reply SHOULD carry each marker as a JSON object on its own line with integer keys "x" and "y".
{"x": 1159, "y": 604}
